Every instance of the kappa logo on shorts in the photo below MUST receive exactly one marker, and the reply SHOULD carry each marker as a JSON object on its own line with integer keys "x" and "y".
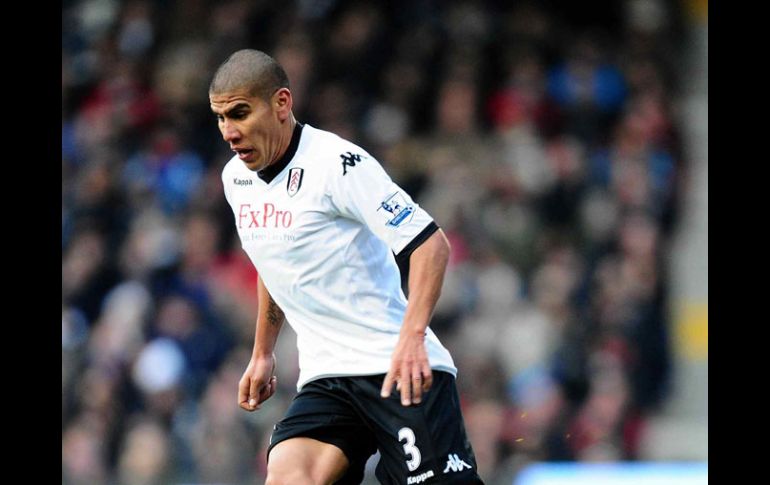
{"x": 455, "y": 464}
{"x": 420, "y": 478}
{"x": 295, "y": 181}
{"x": 396, "y": 210}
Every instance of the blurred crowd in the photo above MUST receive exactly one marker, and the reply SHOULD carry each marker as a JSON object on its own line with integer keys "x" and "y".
{"x": 542, "y": 138}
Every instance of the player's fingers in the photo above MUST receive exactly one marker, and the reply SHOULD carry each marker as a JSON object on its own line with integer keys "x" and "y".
{"x": 243, "y": 390}
{"x": 243, "y": 393}
{"x": 387, "y": 384}
{"x": 416, "y": 384}
{"x": 427, "y": 377}
{"x": 268, "y": 390}
{"x": 265, "y": 390}
{"x": 254, "y": 389}
{"x": 406, "y": 387}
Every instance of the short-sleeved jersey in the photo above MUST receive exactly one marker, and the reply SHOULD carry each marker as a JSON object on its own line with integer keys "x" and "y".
{"x": 322, "y": 233}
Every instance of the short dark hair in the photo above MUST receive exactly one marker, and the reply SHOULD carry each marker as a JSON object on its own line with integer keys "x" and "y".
{"x": 249, "y": 69}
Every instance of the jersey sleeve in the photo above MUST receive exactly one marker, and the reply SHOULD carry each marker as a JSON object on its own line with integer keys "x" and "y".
{"x": 360, "y": 189}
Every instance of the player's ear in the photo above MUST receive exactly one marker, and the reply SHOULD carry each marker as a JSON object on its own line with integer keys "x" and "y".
{"x": 282, "y": 103}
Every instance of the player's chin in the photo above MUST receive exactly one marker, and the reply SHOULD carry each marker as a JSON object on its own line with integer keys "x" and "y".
{"x": 252, "y": 161}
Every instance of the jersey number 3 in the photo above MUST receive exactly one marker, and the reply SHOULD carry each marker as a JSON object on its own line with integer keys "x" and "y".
{"x": 412, "y": 451}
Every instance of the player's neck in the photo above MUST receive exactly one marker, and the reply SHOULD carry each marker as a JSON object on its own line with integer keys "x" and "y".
{"x": 287, "y": 131}
{"x": 288, "y": 143}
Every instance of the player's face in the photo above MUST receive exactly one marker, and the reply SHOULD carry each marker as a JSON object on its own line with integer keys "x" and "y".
{"x": 250, "y": 125}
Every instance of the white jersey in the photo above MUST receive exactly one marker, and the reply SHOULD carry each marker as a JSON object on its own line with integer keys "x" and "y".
{"x": 320, "y": 233}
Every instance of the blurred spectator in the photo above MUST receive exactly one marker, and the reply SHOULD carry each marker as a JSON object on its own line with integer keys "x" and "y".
{"x": 588, "y": 88}
{"x": 87, "y": 273}
{"x": 83, "y": 454}
{"x": 202, "y": 344}
{"x": 225, "y": 447}
{"x": 166, "y": 170}
{"x": 158, "y": 373}
{"x": 144, "y": 459}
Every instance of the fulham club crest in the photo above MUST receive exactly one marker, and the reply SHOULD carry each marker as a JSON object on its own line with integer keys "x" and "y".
{"x": 295, "y": 181}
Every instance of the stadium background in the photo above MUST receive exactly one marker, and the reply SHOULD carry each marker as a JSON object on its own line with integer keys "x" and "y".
{"x": 562, "y": 147}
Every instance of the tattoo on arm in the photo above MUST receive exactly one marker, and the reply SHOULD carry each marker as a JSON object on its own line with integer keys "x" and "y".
{"x": 274, "y": 313}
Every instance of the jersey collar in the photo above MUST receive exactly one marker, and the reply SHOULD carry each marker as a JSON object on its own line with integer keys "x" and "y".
{"x": 270, "y": 172}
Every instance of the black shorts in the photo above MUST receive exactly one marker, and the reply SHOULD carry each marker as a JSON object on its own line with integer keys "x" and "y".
{"x": 423, "y": 443}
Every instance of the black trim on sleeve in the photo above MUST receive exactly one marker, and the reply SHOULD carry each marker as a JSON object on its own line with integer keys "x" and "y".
{"x": 402, "y": 258}
{"x": 418, "y": 240}
{"x": 270, "y": 172}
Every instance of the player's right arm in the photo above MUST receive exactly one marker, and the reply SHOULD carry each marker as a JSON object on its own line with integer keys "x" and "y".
{"x": 258, "y": 382}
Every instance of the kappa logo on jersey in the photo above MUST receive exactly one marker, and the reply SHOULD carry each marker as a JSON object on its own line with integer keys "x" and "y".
{"x": 396, "y": 210}
{"x": 455, "y": 464}
{"x": 295, "y": 181}
{"x": 238, "y": 181}
{"x": 349, "y": 160}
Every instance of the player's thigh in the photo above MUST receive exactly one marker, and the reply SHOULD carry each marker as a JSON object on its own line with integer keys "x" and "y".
{"x": 322, "y": 412}
{"x": 305, "y": 461}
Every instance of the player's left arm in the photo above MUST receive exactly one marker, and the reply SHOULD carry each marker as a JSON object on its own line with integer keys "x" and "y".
{"x": 364, "y": 192}
{"x": 410, "y": 367}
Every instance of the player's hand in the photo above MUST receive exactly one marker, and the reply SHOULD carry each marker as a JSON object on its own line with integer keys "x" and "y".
{"x": 409, "y": 369}
{"x": 258, "y": 383}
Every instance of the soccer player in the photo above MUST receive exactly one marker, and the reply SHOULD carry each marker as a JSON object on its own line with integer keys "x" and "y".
{"x": 321, "y": 221}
